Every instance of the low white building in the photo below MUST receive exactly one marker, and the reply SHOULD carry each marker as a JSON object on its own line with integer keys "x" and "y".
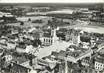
{"x": 21, "y": 49}
{"x": 99, "y": 66}
{"x": 11, "y": 45}
{"x": 30, "y": 49}
{"x": 3, "y": 41}
{"x": 26, "y": 49}
{"x": 1, "y": 52}
{"x": 86, "y": 62}
{"x": 99, "y": 61}
{"x": 33, "y": 71}
{"x": 8, "y": 58}
{"x": 47, "y": 40}
{"x": 78, "y": 54}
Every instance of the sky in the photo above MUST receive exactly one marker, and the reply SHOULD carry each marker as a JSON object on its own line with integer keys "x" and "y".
{"x": 51, "y": 1}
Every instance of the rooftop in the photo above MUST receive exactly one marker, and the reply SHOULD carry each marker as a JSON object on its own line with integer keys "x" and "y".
{"x": 101, "y": 51}
{"x": 76, "y": 51}
{"x": 47, "y": 33}
{"x": 21, "y": 45}
{"x": 16, "y": 67}
{"x": 17, "y": 57}
{"x": 100, "y": 58}
{"x": 1, "y": 50}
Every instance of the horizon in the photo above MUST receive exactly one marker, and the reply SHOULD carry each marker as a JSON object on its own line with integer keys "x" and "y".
{"x": 82, "y": 5}
{"x": 52, "y": 1}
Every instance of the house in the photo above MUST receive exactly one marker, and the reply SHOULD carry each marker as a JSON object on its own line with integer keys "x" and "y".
{"x": 99, "y": 63}
{"x": 2, "y": 45}
{"x": 59, "y": 55}
{"x": 48, "y": 64}
{"x": 33, "y": 71}
{"x": 21, "y": 47}
{"x": 14, "y": 32}
{"x": 12, "y": 37}
{"x": 62, "y": 55}
{"x": 29, "y": 49}
{"x": 3, "y": 40}
{"x": 8, "y": 58}
{"x": 16, "y": 68}
{"x": 55, "y": 54}
{"x": 86, "y": 62}
{"x": 1, "y": 52}
{"x": 76, "y": 53}
{"x": 11, "y": 45}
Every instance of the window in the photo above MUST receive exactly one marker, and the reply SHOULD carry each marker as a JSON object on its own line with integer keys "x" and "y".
{"x": 44, "y": 39}
{"x": 49, "y": 40}
{"x": 98, "y": 64}
{"x": 96, "y": 67}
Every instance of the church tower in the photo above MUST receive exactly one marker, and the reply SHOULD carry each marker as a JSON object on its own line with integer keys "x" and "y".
{"x": 53, "y": 34}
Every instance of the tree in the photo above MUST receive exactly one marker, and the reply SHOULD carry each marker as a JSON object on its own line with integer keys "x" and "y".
{"x": 4, "y": 18}
{"x": 29, "y": 19}
{"x": 22, "y": 23}
{"x": 79, "y": 62}
{"x": 36, "y": 42}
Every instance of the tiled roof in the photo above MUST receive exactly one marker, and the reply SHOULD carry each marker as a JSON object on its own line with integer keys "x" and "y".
{"x": 3, "y": 44}
{"x": 77, "y": 51}
{"x": 54, "y": 53}
{"x": 19, "y": 68}
{"x": 1, "y": 50}
{"x": 47, "y": 35}
{"x": 21, "y": 45}
{"x": 59, "y": 55}
{"x": 100, "y": 58}
{"x": 62, "y": 53}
